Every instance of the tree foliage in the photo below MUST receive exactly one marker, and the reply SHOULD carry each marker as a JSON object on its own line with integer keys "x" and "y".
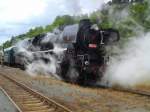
{"x": 60, "y": 21}
{"x": 35, "y": 31}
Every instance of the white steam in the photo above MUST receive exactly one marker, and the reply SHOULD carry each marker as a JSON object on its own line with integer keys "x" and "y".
{"x": 132, "y": 68}
{"x": 73, "y": 6}
{"x": 39, "y": 67}
{"x": 41, "y": 62}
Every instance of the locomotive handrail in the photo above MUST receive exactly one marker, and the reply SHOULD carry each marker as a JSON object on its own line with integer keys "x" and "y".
{"x": 45, "y": 51}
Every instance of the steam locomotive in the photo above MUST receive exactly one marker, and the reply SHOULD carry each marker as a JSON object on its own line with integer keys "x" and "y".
{"x": 84, "y": 58}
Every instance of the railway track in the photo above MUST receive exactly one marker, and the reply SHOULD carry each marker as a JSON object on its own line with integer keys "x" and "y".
{"x": 27, "y": 99}
{"x": 134, "y": 91}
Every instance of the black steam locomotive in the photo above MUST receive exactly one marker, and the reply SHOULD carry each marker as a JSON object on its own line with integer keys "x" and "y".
{"x": 85, "y": 57}
{"x": 86, "y": 51}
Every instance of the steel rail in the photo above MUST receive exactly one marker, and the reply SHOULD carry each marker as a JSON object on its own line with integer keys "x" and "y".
{"x": 11, "y": 100}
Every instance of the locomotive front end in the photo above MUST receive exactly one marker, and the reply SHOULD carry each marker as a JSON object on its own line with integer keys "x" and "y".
{"x": 92, "y": 56}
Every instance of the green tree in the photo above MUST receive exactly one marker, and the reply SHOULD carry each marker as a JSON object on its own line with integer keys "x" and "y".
{"x": 36, "y": 31}
{"x": 7, "y": 44}
{"x": 139, "y": 11}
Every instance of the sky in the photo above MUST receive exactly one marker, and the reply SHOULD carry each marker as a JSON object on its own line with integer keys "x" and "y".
{"x": 18, "y": 16}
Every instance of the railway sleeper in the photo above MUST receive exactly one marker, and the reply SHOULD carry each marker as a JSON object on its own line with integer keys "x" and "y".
{"x": 15, "y": 92}
{"x": 27, "y": 100}
{"x": 35, "y": 104}
{"x": 32, "y": 101}
{"x": 12, "y": 90}
{"x": 24, "y": 99}
{"x": 26, "y": 108}
{"x": 32, "y": 104}
{"x": 24, "y": 96}
{"x": 37, "y": 107}
{"x": 49, "y": 110}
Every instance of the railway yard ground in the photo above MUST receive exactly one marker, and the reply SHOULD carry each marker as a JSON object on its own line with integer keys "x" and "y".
{"x": 78, "y": 98}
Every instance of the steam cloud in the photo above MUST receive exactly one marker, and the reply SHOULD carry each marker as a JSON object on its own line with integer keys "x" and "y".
{"x": 38, "y": 62}
{"x": 131, "y": 68}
